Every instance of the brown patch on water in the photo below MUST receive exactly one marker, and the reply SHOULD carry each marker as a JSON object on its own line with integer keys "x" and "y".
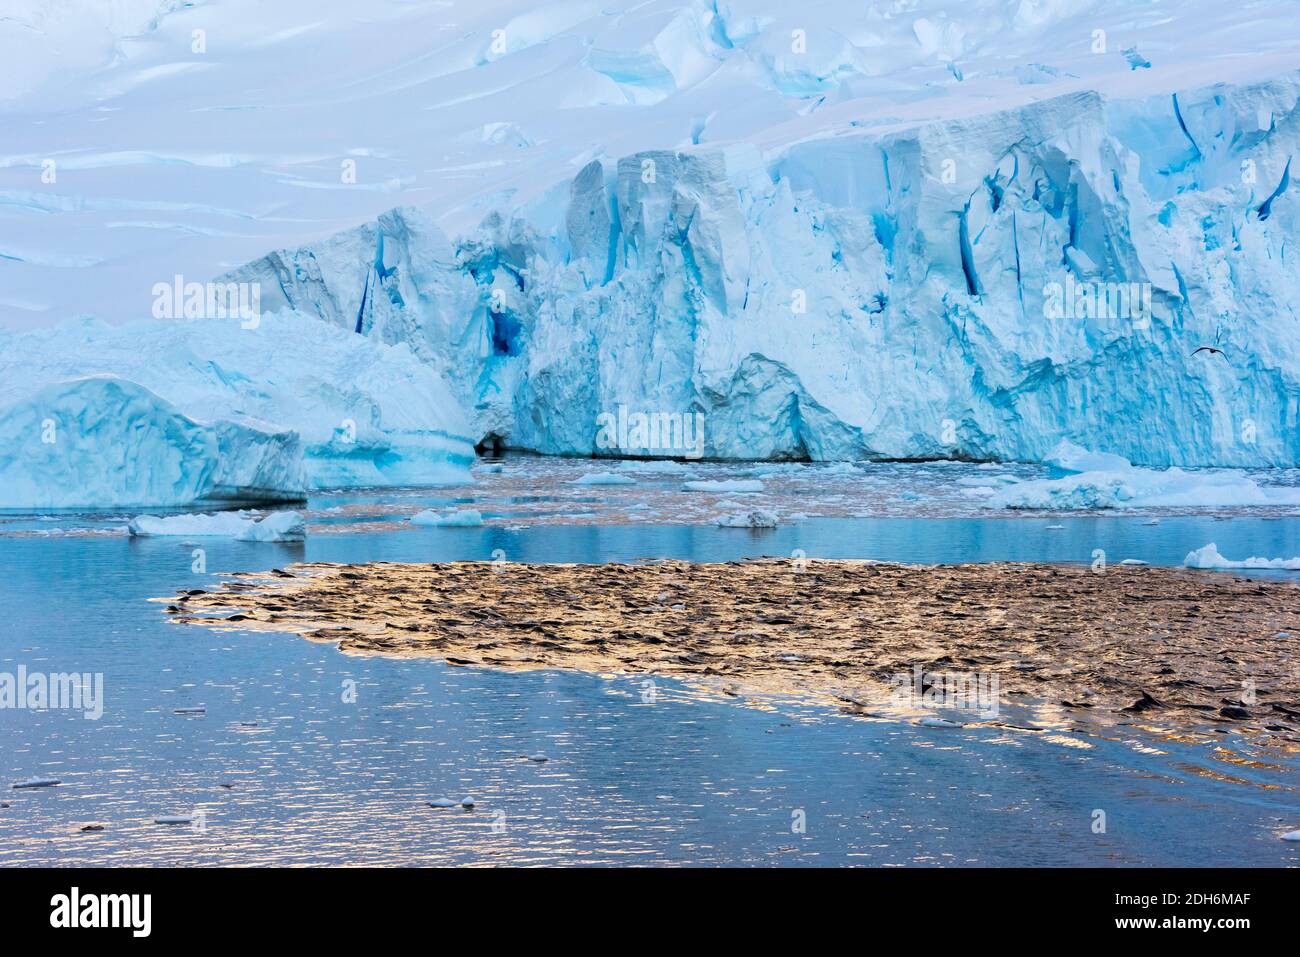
{"x": 1171, "y": 648}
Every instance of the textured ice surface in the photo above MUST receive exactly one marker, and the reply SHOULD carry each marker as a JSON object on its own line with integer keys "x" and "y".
{"x": 753, "y": 519}
{"x": 1121, "y": 485}
{"x": 460, "y": 518}
{"x": 367, "y": 414}
{"x": 835, "y": 298}
{"x": 106, "y": 441}
{"x": 829, "y": 234}
{"x": 1208, "y": 557}
{"x": 241, "y": 526}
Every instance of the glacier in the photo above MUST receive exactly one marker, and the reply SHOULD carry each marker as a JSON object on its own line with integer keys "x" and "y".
{"x": 300, "y": 406}
{"x": 846, "y": 234}
{"x": 837, "y": 299}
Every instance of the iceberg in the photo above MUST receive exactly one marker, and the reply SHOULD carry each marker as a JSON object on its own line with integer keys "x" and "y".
{"x": 1068, "y": 457}
{"x": 1122, "y": 485}
{"x": 459, "y": 518}
{"x": 241, "y": 526}
{"x": 1208, "y": 557}
{"x": 603, "y": 478}
{"x": 724, "y": 485}
{"x": 757, "y": 518}
{"x": 363, "y": 413}
{"x": 103, "y": 441}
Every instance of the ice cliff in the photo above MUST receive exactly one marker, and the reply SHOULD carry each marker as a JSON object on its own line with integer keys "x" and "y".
{"x": 833, "y": 231}
{"x": 874, "y": 294}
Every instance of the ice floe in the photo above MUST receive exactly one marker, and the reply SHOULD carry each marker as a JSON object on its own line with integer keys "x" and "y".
{"x": 241, "y": 526}
{"x": 1207, "y": 556}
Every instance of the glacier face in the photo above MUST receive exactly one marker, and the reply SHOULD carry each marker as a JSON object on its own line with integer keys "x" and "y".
{"x": 102, "y": 440}
{"x": 824, "y": 232}
{"x": 869, "y": 294}
{"x": 300, "y": 404}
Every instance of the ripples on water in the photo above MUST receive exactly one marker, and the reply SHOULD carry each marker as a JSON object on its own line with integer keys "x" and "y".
{"x": 680, "y": 779}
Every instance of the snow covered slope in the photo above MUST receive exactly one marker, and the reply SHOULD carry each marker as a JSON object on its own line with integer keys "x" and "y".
{"x": 367, "y": 414}
{"x": 105, "y": 441}
{"x": 826, "y": 229}
{"x": 192, "y": 136}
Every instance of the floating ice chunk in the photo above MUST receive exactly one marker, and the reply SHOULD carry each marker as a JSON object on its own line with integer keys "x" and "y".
{"x": 1133, "y": 487}
{"x": 174, "y": 819}
{"x": 38, "y": 783}
{"x": 1069, "y": 457}
{"x": 989, "y": 481}
{"x": 777, "y": 468}
{"x": 189, "y": 711}
{"x": 1053, "y": 528}
{"x": 1291, "y": 836}
{"x": 724, "y": 485}
{"x": 929, "y": 721}
{"x": 105, "y": 441}
{"x": 653, "y": 465}
{"x": 1208, "y": 557}
{"x": 460, "y": 518}
{"x": 276, "y": 527}
{"x": 442, "y": 802}
{"x": 754, "y": 519}
{"x": 467, "y": 802}
{"x": 538, "y": 757}
{"x": 306, "y": 404}
{"x": 241, "y": 526}
{"x": 604, "y": 478}
{"x": 1133, "y": 561}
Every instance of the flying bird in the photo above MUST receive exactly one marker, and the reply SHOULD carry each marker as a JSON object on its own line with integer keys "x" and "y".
{"x": 1209, "y": 349}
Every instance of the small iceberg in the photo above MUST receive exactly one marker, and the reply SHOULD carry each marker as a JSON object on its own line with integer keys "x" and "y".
{"x": 603, "y": 478}
{"x": 38, "y": 783}
{"x": 653, "y": 466}
{"x": 1291, "y": 836}
{"x": 539, "y": 757}
{"x": 842, "y": 468}
{"x": 174, "y": 819}
{"x": 1133, "y": 561}
{"x": 1208, "y": 557}
{"x": 724, "y": 485}
{"x": 460, "y": 518}
{"x": 929, "y": 721}
{"x": 240, "y": 526}
{"x": 1105, "y": 481}
{"x": 753, "y": 519}
{"x": 442, "y": 802}
{"x": 467, "y": 803}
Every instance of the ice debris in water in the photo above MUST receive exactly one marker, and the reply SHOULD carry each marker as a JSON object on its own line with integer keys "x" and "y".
{"x": 1208, "y": 556}
{"x": 459, "y": 518}
{"x": 757, "y": 518}
{"x": 241, "y": 526}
